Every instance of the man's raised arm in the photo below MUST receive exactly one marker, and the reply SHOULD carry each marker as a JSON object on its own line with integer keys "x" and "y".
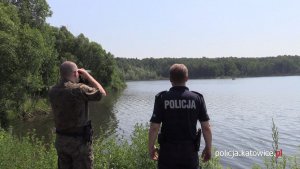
{"x": 92, "y": 81}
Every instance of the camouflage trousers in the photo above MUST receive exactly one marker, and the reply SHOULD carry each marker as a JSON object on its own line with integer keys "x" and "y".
{"x": 73, "y": 153}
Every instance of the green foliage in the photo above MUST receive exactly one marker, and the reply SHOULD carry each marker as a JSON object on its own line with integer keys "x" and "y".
{"x": 109, "y": 153}
{"x": 150, "y": 68}
{"x": 117, "y": 152}
{"x": 276, "y": 162}
{"x": 279, "y": 162}
{"x": 294, "y": 162}
{"x": 25, "y": 69}
{"x": 33, "y": 12}
{"x": 27, "y": 153}
{"x": 9, "y": 73}
{"x": 112, "y": 152}
{"x": 89, "y": 55}
{"x": 32, "y": 107}
{"x": 31, "y": 52}
{"x": 213, "y": 163}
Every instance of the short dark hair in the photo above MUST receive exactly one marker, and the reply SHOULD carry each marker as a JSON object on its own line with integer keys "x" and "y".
{"x": 178, "y": 73}
{"x": 67, "y": 68}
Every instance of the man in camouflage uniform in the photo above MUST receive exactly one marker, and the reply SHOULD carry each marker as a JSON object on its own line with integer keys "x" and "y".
{"x": 69, "y": 102}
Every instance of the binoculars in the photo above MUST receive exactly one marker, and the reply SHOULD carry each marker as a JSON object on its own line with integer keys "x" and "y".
{"x": 83, "y": 80}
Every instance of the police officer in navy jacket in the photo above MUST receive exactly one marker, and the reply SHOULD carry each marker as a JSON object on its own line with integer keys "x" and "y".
{"x": 175, "y": 114}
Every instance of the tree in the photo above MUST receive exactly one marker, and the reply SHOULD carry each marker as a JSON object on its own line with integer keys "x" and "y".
{"x": 9, "y": 72}
{"x": 33, "y": 12}
{"x": 31, "y": 51}
{"x": 210, "y": 68}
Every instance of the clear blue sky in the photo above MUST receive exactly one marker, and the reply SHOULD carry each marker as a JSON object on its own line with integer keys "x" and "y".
{"x": 184, "y": 28}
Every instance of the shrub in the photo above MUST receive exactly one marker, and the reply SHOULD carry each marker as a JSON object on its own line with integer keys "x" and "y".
{"x": 110, "y": 153}
{"x": 28, "y": 152}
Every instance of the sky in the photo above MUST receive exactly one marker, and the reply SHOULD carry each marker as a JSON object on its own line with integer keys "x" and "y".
{"x": 184, "y": 28}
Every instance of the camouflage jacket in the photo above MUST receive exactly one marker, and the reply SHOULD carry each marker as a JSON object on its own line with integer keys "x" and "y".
{"x": 69, "y": 102}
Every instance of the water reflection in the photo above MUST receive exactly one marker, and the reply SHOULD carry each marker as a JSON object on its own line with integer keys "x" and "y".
{"x": 102, "y": 115}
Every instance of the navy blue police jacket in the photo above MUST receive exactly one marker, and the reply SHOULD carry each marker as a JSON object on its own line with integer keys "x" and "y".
{"x": 178, "y": 110}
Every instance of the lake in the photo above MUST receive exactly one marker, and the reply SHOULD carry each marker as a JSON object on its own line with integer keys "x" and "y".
{"x": 241, "y": 113}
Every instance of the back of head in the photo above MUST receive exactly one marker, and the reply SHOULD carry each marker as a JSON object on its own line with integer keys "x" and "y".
{"x": 178, "y": 73}
{"x": 67, "y": 68}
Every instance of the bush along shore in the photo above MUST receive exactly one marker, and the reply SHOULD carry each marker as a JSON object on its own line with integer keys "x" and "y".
{"x": 110, "y": 153}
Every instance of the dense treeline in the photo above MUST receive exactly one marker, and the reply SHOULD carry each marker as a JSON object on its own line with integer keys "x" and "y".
{"x": 31, "y": 51}
{"x": 150, "y": 68}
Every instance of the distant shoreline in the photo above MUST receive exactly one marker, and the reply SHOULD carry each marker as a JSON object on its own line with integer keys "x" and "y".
{"x": 214, "y": 78}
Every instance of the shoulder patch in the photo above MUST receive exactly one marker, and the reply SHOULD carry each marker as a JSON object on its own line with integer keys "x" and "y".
{"x": 199, "y": 94}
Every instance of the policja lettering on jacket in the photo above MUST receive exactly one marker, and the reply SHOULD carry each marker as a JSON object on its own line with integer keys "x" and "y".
{"x": 180, "y": 104}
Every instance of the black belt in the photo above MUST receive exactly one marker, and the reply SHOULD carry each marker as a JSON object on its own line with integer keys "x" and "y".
{"x": 179, "y": 141}
{"x": 69, "y": 134}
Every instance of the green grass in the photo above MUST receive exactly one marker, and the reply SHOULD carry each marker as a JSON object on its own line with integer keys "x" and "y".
{"x": 24, "y": 153}
{"x": 110, "y": 153}
{"x": 33, "y": 107}
{"x": 283, "y": 162}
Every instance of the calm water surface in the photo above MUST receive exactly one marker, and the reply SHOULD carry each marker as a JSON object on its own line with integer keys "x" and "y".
{"x": 241, "y": 113}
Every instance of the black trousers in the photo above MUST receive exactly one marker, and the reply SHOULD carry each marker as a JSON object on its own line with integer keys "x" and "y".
{"x": 178, "y": 156}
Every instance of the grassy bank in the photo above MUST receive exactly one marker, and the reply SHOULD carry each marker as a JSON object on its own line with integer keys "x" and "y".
{"x": 110, "y": 153}
{"x": 28, "y": 152}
